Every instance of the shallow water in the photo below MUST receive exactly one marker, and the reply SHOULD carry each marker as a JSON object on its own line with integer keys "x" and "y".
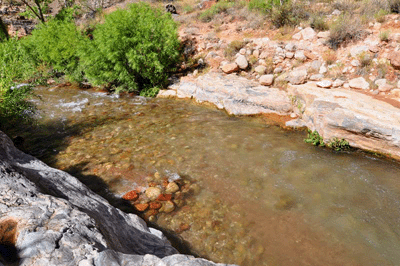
{"x": 265, "y": 197}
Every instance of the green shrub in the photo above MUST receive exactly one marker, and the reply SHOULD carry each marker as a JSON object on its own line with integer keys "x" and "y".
{"x": 384, "y": 36}
{"x": 14, "y": 107}
{"x": 263, "y": 5}
{"x": 288, "y": 14}
{"x": 219, "y": 7}
{"x": 233, "y": 48}
{"x": 319, "y": 24}
{"x": 339, "y": 144}
{"x": 380, "y": 15}
{"x": 345, "y": 29}
{"x": 133, "y": 50}
{"x": 314, "y": 138}
{"x": 56, "y": 44}
{"x": 16, "y": 61}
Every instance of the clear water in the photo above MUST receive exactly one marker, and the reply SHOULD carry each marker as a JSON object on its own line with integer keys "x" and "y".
{"x": 265, "y": 197}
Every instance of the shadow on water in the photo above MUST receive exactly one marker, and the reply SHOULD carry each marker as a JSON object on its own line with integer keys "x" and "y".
{"x": 44, "y": 141}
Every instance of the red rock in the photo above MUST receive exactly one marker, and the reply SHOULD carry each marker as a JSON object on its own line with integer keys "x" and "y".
{"x": 131, "y": 195}
{"x": 141, "y": 206}
{"x": 155, "y": 205}
{"x": 164, "y": 197}
{"x": 230, "y": 68}
{"x": 152, "y": 184}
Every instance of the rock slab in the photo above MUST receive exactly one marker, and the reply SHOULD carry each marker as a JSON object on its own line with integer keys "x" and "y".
{"x": 238, "y": 96}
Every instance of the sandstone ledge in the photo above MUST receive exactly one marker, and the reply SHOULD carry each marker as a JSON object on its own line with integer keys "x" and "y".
{"x": 48, "y": 217}
{"x": 365, "y": 122}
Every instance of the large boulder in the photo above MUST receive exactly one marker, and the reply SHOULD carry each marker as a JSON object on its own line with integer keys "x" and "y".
{"x": 394, "y": 58}
{"x": 48, "y": 217}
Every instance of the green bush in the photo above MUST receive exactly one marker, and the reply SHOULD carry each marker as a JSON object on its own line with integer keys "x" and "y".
{"x": 56, "y": 44}
{"x": 219, "y": 7}
{"x": 16, "y": 61}
{"x": 339, "y": 144}
{"x": 233, "y": 48}
{"x": 318, "y": 23}
{"x": 314, "y": 138}
{"x": 14, "y": 107}
{"x": 133, "y": 50}
{"x": 263, "y": 5}
{"x": 288, "y": 14}
{"x": 346, "y": 29}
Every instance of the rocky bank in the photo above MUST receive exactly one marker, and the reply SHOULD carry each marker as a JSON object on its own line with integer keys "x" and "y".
{"x": 49, "y": 218}
{"x": 367, "y": 123}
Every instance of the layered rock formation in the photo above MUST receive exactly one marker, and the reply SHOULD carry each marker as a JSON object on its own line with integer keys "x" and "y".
{"x": 49, "y": 218}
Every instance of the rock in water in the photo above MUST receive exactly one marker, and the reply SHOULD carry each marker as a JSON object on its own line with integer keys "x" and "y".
{"x": 48, "y": 217}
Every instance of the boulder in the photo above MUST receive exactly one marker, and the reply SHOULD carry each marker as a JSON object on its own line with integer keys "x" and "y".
{"x": 299, "y": 55}
{"x": 359, "y": 83}
{"x": 230, "y": 68}
{"x": 267, "y": 80}
{"x": 297, "y": 76}
{"x": 241, "y": 61}
{"x": 324, "y": 84}
{"x": 308, "y": 33}
{"x": 356, "y": 50}
{"x": 260, "y": 69}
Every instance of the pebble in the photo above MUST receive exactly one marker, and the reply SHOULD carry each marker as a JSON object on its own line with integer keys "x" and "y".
{"x": 168, "y": 206}
{"x": 153, "y": 193}
{"x": 141, "y": 206}
{"x": 172, "y": 187}
{"x": 131, "y": 195}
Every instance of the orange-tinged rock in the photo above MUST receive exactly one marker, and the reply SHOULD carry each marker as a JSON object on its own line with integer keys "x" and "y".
{"x": 164, "y": 197}
{"x": 141, "y": 206}
{"x": 155, "y": 205}
{"x": 131, "y": 195}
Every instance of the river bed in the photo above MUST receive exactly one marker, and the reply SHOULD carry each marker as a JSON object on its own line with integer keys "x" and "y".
{"x": 260, "y": 196}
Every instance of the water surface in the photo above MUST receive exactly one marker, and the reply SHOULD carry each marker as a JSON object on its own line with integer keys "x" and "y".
{"x": 265, "y": 197}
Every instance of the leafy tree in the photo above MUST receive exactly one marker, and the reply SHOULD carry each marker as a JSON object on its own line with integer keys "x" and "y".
{"x": 133, "y": 50}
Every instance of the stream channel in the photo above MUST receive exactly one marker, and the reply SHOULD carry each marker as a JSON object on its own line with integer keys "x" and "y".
{"x": 258, "y": 194}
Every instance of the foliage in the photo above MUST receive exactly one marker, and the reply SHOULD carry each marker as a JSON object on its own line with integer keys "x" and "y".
{"x": 36, "y": 8}
{"x": 56, "y": 43}
{"x": 380, "y": 15}
{"x": 314, "y": 138}
{"x": 345, "y": 29}
{"x": 233, "y": 48}
{"x": 263, "y": 5}
{"x": 14, "y": 107}
{"x": 319, "y": 24}
{"x": 339, "y": 144}
{"x": 384, "y": 36}
{"x": 329, "y": 57}
{"x": 133, "y": 50}
{"x": 287, "y": 14}
{"x": 219, "y": 7}
{"x": 16, "y": 61}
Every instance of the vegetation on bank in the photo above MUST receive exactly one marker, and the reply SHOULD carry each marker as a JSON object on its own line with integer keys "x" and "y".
{"x": 133, "y": 50}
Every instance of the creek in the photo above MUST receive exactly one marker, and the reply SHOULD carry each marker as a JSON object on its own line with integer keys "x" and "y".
{"x": 260, "y": 195}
